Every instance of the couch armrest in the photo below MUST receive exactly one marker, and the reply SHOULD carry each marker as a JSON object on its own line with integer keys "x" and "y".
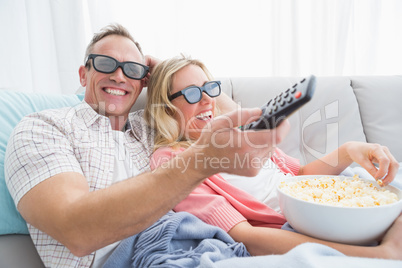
{"x": 18, "y": 251}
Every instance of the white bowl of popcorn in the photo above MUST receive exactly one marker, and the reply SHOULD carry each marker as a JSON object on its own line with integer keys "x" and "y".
{"x": 339, "y": 209}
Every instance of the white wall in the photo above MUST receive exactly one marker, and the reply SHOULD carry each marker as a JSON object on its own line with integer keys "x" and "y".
{"x": 43, "y": 42}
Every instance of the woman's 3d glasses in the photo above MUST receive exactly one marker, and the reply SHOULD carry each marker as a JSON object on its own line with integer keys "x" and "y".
{"x": 193, "y": 94}
{"x": 107, "y": 65}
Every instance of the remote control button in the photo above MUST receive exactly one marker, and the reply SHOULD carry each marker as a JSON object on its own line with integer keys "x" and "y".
{"x": 298, "y": 94}
{"x": 295, "y": 85}
{"x": 290, "y": 100}
{"x": 270, "y": 112}
{"x": 287, "y": 90}
{"x": 286, "y": 95}
{"x": 275, "y": 108}
{"x": 293, "y": 90}
{"x": 304, "y": 79}
{"x": 283, "y": 103}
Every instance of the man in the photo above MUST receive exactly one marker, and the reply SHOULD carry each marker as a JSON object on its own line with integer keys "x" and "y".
{"x": 62, "y": 166}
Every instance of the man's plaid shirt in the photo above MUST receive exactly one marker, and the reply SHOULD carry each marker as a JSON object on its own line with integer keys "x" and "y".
{"x": 73, "y": 139}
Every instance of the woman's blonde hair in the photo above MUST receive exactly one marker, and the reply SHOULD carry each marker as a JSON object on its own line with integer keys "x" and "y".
{"x": 159, "y": 111}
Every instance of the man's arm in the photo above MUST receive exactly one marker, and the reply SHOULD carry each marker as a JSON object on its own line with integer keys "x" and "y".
{"x": 85, "y": 221}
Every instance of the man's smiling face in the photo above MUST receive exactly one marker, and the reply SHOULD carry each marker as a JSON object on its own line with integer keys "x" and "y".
{"x": 112, "y": 94}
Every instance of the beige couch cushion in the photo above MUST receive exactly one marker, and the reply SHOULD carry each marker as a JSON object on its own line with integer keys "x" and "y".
{"x": 379, "y": 98}
{"x": 330, "y": 119}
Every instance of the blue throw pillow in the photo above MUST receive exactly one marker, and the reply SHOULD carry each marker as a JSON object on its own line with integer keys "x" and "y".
{"x": 14, "y": 106}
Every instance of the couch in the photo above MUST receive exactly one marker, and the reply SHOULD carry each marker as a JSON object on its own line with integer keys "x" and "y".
{"x": 361, "y": 108}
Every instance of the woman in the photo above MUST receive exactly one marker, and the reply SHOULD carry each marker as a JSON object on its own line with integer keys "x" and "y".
{"x": 181, "y": 103}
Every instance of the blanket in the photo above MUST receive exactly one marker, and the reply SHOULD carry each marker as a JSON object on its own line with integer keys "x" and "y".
{"x": 176, "y": 240}
{"x": 182, "y": 240}
{"x": 307, "y": 255}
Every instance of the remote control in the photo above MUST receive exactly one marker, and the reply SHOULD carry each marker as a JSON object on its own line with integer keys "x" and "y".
{"x": 284, "y": 104}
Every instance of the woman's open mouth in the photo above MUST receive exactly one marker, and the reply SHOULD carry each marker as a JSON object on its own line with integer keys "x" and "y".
{"x": 204, "y": 116}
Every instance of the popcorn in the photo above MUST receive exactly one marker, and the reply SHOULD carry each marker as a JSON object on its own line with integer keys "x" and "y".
{"x": 339, "y": 192}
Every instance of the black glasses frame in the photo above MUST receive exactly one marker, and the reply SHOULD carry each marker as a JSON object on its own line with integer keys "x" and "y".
{"x": 201, "y": 89}
{"x": 118, "y": 64}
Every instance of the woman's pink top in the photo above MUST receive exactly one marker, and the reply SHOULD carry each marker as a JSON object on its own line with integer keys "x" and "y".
{"x": 219, "y": 203}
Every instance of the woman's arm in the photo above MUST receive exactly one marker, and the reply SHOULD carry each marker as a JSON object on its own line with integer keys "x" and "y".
{"x": 263, "y": 241}
{"x": 364, "y": 154}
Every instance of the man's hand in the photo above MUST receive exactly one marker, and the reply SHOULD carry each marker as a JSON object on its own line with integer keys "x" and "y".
{"x": 225, "y": 148}
{"x": 151, "y": 62}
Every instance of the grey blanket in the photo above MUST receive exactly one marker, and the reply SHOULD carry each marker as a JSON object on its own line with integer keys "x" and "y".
{"x": 176, "y": 240}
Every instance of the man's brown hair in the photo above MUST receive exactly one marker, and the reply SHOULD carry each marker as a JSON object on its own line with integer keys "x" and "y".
{"x": 112, "y": 29}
